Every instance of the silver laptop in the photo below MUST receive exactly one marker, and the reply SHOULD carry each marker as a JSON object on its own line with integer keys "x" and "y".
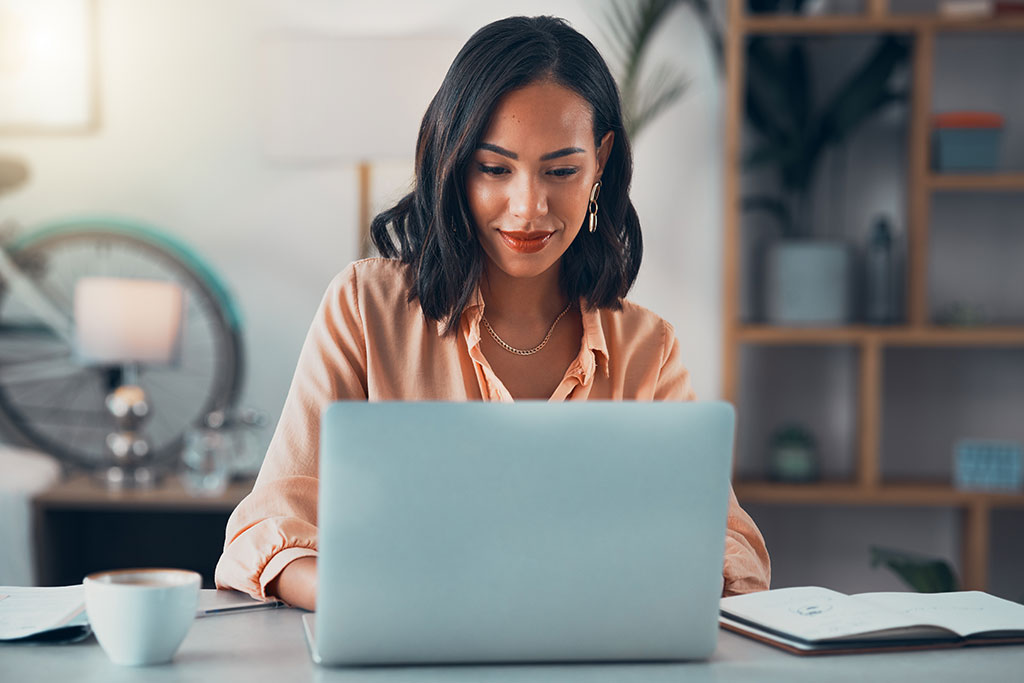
{"x": 525, "y": 532}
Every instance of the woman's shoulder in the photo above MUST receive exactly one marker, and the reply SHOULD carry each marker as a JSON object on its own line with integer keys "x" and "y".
{"x": 374, "y": 279}
{"x": 636, "y": 321}
{"x": 373, "y": 287}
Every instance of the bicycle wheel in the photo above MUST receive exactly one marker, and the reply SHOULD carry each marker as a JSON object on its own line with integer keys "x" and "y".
{"x": 53, "y": 402}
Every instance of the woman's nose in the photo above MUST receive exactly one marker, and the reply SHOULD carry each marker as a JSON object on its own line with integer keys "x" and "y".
{"x": 527, "y": 199}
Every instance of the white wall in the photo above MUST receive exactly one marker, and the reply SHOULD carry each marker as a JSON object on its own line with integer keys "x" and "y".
{"x": 179, "y": 146}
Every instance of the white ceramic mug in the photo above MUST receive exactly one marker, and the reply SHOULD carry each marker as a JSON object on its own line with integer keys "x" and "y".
{"x": 140, "y": 616}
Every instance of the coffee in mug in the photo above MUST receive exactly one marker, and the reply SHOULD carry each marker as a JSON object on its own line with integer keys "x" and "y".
{"x": 141, "y": 616}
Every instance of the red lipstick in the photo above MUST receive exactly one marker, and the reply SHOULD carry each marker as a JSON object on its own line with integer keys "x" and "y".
{"x": 525, "y": 242}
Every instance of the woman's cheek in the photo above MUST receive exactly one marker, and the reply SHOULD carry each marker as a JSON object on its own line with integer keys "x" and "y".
{"x": 573, "y": 205}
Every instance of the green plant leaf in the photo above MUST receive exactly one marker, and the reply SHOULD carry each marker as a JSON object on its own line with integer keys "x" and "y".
{"x": 630, "y": 26}
{"x": 703, "y": 10}
{"x": 923, "y": 574}
{"x": 766, "y": 154}
{"x": 769, "y": 90}
{"x": 863, "y": 94}
{"x": 762, "y": 120}
{"x": 661, "y": 90}
{"x": 774, "y": 207}
{"x": 798, "y": 84}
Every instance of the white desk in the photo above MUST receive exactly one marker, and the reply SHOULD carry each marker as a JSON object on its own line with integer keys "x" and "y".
{"x": 269, "y": 646}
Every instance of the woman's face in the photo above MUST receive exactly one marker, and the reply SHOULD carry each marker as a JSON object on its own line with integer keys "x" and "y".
{"x": 530, "y": 179}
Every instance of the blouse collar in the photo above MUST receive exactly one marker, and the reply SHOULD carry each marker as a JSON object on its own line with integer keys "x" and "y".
{"x": 593, "y": 347}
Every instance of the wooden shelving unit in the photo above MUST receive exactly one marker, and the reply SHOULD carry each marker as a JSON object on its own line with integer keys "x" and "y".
{"x": 847, "y": 24}
{"x": 867, "y": 487}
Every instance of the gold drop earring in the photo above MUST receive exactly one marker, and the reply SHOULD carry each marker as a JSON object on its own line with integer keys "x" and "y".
{"x": 592, "y": 207}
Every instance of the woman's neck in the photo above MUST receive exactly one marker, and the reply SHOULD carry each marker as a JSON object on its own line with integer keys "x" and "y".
{"x": 524, "y": 301}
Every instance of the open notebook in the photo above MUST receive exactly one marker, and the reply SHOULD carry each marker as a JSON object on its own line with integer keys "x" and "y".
{"x": 813, "y": 620}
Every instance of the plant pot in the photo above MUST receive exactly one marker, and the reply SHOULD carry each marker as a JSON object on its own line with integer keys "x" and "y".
{"x": 808, "y": 283}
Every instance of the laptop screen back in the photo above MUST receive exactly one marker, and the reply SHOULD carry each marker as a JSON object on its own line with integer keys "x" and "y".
{"x": 534, "y": 531}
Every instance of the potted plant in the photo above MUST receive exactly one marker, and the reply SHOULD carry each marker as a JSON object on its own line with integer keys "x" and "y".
{"x": 807, "y": 279}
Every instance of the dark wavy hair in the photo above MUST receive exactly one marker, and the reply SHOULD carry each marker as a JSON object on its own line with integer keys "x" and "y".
{"x": 432, "y": 229}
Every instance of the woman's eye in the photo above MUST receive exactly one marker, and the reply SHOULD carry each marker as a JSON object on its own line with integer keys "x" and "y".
{"x": 563, "y": 172}
{"x": 493, "y": 170}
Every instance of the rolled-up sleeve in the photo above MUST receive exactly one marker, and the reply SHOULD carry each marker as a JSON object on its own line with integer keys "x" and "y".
{"x": 746, "y": 568}
{"x": 276, "y": 523}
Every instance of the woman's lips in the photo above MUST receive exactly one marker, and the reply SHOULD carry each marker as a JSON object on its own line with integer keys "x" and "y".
{"x": 525, "y": 242}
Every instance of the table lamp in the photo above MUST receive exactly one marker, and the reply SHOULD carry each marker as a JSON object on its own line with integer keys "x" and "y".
{"x": 129, "y": 323}
{"x": 350, "y": 100}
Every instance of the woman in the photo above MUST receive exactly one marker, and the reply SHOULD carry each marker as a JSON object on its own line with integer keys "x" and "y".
{"x": 503, "y": 278}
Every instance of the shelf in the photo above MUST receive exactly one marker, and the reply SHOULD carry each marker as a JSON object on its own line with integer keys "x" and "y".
{"x": 977, "y": 182}
{"x": 871, "y": 344}
{"x": 80, "y": 492}
{"x": 889, "y": 494}
{"x": 886, "y": 336}
{"x": 908, "y": 23}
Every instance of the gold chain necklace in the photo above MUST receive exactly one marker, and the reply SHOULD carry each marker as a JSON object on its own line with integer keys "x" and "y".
{"x": 525, "y": 352}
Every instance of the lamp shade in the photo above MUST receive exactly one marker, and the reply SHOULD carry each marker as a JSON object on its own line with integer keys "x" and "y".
{"x": 127, "y": 320}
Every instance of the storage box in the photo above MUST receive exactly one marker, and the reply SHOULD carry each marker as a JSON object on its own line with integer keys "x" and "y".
{"x": 966, "y": 141}
{"x": 988, "y": 465}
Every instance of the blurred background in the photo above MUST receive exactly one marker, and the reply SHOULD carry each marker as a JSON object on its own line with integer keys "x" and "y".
{"x": 235, "y": 150}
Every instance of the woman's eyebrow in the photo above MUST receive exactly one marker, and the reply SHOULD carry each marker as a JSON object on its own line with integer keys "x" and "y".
{"x": 547, "y": 157}
{"x": 561, "y": 153}
{"x": 498, "y": 150}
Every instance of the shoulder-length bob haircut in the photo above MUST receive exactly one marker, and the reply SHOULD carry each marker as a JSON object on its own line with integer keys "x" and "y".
{"x": 432, "y": 228}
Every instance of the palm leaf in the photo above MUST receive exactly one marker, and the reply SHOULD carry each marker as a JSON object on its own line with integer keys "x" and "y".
{"x": 798, "y": 84}
{"x": 702, "y": 8}
{"x": 769, "y": 154}
{"x": 862, "y": 95}
{"x": 662, "y": 89}
{"x": 768, "y": 98}
{"x": 631, "y": 24}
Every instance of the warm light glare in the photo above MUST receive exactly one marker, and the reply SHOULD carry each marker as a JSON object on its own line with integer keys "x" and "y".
{"x": 124, "y": 320}
{"x": 42, "y": 45}
{"x": 45, "y": 68}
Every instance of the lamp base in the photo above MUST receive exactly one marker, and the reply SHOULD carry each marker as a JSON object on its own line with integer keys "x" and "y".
{"x": 118, "y": 478}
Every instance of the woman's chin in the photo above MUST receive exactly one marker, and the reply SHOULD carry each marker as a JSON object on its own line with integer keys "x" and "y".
{"x": 524, "y": 266}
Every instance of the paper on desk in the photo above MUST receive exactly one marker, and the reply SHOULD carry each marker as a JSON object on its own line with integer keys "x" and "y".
{"x": 28, "y": 611}
{"x": 32, "y": 611}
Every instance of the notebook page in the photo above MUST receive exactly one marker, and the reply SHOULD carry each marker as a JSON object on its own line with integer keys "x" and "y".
{"x": 814, "y": 613}
{"x": 27, "y": 611}
{"x": 964, "y": 612}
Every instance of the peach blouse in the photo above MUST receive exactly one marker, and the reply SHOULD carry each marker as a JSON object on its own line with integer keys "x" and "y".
{"x": 368, "y": 342}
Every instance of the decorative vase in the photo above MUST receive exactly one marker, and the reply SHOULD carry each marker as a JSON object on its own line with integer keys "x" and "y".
{"x": 793, "y": 456}
{"x": 808, "y": 283}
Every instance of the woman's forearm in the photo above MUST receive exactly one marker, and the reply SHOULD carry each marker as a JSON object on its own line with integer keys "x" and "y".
{"x": 296, "y": 584}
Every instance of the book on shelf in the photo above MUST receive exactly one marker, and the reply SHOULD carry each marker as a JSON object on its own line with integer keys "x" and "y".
{"x": 810, "y": 620}
{"x": 967, "y": 9}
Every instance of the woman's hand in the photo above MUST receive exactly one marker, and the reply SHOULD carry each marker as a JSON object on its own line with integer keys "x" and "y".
{"x": 296, "y": 584}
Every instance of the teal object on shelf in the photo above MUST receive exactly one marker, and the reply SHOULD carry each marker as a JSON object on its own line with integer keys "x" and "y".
{"x": 988, "y": 465}
{"x": 967, "y": 149}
